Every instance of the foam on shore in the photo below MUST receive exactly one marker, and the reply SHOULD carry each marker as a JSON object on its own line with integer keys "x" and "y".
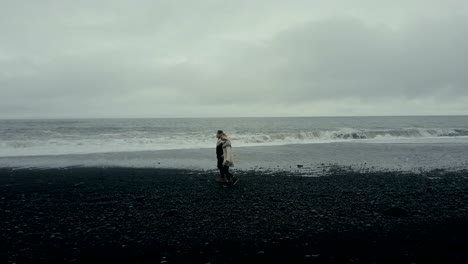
{"x": 309, "y": 157}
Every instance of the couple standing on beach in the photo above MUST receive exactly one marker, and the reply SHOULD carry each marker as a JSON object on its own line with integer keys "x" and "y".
{"x": 225, "y": 159}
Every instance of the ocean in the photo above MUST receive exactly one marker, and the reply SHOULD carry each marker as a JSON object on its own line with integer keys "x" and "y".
{"x": 410, "y": 142}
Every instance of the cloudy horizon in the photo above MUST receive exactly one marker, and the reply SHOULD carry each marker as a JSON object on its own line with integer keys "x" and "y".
{"x": 88, "y": 59}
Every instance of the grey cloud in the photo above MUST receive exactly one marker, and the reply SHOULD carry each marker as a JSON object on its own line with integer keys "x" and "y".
{"x": 183, "y": 58}
{"x": 348, "y": 58}
{"x": 338, "y": 59}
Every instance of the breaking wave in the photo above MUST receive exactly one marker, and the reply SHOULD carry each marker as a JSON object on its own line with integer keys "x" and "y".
{"x": 347, "y": 134}
{"x": 63, "y": 144}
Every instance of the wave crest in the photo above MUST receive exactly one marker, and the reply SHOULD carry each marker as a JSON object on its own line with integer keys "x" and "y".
{"x": 57, "y": 144}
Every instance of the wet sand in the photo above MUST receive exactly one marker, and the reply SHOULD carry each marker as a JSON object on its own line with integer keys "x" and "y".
{"x": 175, "y": 216}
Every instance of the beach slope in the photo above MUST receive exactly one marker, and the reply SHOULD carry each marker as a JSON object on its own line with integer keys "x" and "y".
{"x": 172, "y": 216}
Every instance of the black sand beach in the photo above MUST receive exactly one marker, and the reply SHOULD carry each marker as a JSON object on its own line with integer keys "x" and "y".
{"x": 171, "y": 216}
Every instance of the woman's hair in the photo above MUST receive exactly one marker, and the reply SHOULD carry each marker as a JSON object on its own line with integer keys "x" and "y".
{"x": 222, "y": 134}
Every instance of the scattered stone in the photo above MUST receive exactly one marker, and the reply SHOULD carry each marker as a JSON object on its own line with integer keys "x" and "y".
{"x": 311, "y": 209}
{"x": 80, "y": 184}
{"x": 172, "y": 212}
{"x": 34, "y": 236}
{"x": 396, "y": 211}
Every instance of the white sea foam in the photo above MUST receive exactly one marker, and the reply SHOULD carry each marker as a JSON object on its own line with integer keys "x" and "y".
{"x": 49, "y": 142}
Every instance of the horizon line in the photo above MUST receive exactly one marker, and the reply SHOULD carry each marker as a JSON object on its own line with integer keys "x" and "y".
{"x": 215, "y": 117}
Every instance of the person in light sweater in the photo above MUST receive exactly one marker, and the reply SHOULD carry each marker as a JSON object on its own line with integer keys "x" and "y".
{"x": 225, "y": 159}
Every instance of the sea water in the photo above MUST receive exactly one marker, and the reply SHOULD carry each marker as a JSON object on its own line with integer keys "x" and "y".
{"x": 387, "y": 142}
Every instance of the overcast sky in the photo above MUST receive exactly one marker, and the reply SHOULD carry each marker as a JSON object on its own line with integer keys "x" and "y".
{"x": 217, "y": 58}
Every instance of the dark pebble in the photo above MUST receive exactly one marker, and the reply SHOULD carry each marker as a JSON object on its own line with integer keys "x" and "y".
{"x": 172, "y": 212}
{"x": 344, "y": 216}
{"x": 396, "y": 211}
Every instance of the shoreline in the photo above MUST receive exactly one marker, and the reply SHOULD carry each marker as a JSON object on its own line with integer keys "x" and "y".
{"x": 406, "y": 157}
{"x": 152, "y": 215}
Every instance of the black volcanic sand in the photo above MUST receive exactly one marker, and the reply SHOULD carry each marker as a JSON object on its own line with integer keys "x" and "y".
{"x": 172, "y": 216}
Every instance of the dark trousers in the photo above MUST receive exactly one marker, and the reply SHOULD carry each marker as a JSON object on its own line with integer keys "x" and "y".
{"x": 223, "y": 169}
